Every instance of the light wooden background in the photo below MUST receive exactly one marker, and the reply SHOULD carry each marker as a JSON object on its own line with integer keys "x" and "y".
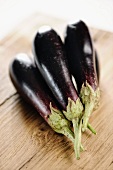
{"x": 26, "y": 141}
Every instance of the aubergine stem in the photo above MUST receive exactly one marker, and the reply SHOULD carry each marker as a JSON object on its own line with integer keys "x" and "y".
{"x": 81, "y": 148}
{"x": 77, "y": 130}
{"x": 50, "y": 58}
{"x": 91, "y": 129}
{"x": 90, "y": 98}
{"x": 89, "y": 125}
{"x": 31, "y": 86}
{"x": 73, "y": 114}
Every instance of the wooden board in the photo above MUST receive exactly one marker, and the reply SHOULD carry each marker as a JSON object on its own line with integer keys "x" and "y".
{"x": 26, "y": 141}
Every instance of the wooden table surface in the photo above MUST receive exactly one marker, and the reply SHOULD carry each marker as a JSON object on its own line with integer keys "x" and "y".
{"x": 26, "y": 141}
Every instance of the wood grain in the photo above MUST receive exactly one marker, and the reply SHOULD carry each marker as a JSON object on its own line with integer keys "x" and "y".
{"x": 26, "y": 141}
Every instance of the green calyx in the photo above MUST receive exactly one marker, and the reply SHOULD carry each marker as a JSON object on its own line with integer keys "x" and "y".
{"x": 74, "y": 113}
{"x": 59, "y": 123}
{"x": 74, "y": 109}
{"x": 88, "y": 95}
{"x": 90, "y": 99}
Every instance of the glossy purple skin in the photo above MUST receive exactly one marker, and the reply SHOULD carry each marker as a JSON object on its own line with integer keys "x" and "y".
{"x": 50, "y": 57}
{"x": 31, "y": 86}
{"x": 81, "y": 55}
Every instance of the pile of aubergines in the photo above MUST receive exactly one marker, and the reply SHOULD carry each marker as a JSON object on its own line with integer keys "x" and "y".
{"x": 47, "y": 80}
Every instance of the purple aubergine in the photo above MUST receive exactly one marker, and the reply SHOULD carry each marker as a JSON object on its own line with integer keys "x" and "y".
{"x": 50, "y": 58}
{"x": 81, "y": 58}
{"x": 31, "y": 86}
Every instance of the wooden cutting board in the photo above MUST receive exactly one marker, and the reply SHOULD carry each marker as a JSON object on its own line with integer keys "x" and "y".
{"x": 26, "y": 141}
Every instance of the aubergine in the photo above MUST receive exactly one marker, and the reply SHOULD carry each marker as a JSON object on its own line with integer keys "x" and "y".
{"x": 81, "y": 58}
{"x": 50, "y": 58}
{"x": 32, "y": 87}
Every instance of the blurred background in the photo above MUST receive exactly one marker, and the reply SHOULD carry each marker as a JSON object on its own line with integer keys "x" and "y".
{"x": 96, "y": 13}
